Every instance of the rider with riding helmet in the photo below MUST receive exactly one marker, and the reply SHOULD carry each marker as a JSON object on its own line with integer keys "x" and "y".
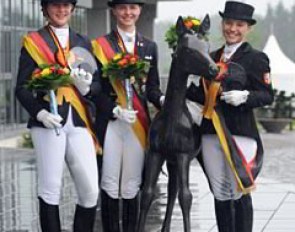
{"x": 122, "y": 131}
{"x": 75, "y": 143}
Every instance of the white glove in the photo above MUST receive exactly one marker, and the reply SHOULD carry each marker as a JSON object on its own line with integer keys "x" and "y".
{"x": 125, "y": 115}
{"x": 49, "y": 120}
{"x": 235, "y": 97}
{"x": 82, "y": 80}
{"x": 162, "y": 100}
{"x": 196, "y": 111}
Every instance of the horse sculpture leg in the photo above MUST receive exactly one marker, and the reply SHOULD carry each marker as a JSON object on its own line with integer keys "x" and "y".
{"x": 184, "y": 195}
{"x": 152, "y": 170}
{"x": 172, "y": 193}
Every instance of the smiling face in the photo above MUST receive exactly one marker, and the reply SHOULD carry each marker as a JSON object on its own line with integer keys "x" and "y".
{"x": 126, "y": 15}
{"x": 234, "y": 31}
{"x": 59, "y": 14}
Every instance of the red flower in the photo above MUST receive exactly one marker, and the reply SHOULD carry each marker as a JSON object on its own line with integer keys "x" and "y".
{"x": 223, "y": 67}
{"x": 123, "y": 62}
{"x": 52, "y": 68}
{"x": 37, "y": 71}
{"x": 127, "y": 56}
{"x": 133, "y": 60}
{"x": 189, "y": 24}
{"x": 60, "y": 72}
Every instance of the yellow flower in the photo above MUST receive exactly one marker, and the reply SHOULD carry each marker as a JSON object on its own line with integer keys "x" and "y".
{"x": 117, "y": 57}
{"x": 46, "y": 72}
{"x": 196, "y": 22}
{"x": 66, "y": 70}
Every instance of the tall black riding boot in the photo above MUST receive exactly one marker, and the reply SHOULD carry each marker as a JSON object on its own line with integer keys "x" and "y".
{"x": 130, "y": 214}
{"x": 244, "y": 214}
{"x": 225, "y": 216}
{"x": 109, "y": 213}
{"x": 49, "y": 217}
{"x": 84, "y": 219}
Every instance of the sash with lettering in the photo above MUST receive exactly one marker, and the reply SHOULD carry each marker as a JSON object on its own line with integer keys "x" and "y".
{"x": 233, "y": 154}
{"x": 104, "y": 53}
{"x": 42, "y": 54}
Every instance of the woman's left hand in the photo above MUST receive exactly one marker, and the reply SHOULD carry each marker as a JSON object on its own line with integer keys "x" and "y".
{"x": 82, "y": 80}
{"x": 235, "y": 97}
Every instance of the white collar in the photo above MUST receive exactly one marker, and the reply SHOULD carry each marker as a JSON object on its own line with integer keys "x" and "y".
{"x": 61, "y": 31}
{"x": 62, "y": 34}
{"x": 229, "y": 50}
{"x": 127, "y": 36}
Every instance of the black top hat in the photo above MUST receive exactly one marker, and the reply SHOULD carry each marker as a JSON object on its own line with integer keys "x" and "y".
{"x": 239, "y": 11}
{"x": 112, "y": 3}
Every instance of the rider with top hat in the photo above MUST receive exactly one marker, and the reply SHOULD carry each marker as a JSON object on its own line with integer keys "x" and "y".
{"x": 232, "y": 150}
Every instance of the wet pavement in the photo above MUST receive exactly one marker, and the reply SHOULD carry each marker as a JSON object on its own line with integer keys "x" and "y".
{"x": 18, "y": 191}
{"x": 274, "y": 198}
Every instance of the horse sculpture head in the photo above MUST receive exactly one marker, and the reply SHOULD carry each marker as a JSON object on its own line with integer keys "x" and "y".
{"x": 193, "y": 49}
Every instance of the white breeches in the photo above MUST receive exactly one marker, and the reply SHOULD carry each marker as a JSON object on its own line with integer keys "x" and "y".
{"x": 222, "y": 180}
{"x": 123, "y": 161}
{"x": 75, "y": 146}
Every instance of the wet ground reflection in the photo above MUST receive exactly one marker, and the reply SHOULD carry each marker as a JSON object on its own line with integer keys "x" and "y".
{"x": 274, "y": 200}
{"x": 18, "y": 191}
{"x": 18, "y": 196}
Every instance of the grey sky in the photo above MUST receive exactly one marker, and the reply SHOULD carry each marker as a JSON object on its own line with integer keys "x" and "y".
{"x": 198, "y": 8}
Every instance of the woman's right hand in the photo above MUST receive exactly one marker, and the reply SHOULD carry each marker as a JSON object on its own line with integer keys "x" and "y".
{"x": 125, "y": 115}
{"x": 49, "y": 120}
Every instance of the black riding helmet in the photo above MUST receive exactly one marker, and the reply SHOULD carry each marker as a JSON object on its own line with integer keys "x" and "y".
{"x": 45, "y": 2}
{"x": 112, "y": 3}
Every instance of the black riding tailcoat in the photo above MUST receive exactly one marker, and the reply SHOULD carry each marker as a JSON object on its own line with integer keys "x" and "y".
{"x": 106, "y": 101}
{"x": 34, "y": 102}
{"x": 240, "y": 120}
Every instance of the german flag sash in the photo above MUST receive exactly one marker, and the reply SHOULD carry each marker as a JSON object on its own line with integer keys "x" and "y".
{"x": 104, "y": 52}
{"x": 42, "y": 54}
{"x": 234, "y": 156}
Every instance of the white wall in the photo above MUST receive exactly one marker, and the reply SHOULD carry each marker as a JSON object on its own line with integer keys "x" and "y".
{"x": 86, "y": 3}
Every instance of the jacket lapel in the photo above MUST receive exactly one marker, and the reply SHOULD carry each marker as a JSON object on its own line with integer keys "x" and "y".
{"x": 141, "y": 45}
{"x": 112, "y": 38}
{"x": 244, "y": 48}
{"x": 139, "y": 42}
{"x": 48, "y": 39}
{"x": 74, "y": 39}
{"x": 217, "y": 54}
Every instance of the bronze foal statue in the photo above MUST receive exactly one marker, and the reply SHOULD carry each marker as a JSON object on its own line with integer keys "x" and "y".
{"x": 171, "y": 137}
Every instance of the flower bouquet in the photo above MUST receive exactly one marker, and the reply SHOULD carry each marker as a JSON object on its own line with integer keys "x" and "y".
{"x": 49, "y": 78}
{"x": 190, "y": 22}
{"x": 130, "y": 69}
